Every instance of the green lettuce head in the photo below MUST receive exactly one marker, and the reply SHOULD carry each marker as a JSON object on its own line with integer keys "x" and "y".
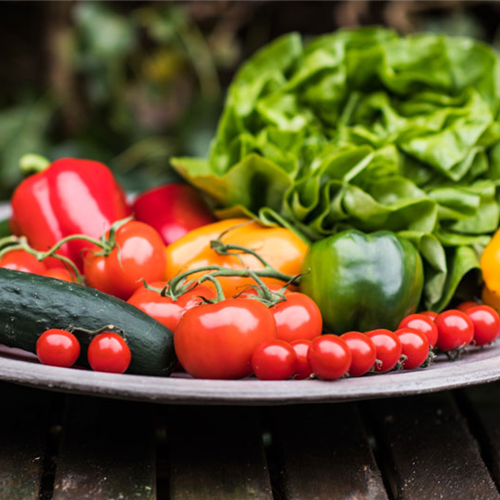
{"x": 365, "y": 129}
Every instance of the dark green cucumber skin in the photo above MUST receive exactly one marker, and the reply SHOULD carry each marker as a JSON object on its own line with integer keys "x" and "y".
{"x": 31, "y": 304}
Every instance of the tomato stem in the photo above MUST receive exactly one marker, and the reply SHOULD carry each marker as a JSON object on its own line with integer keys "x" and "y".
{"x": 22, "y": 244}
{"x": 218, "y": 287}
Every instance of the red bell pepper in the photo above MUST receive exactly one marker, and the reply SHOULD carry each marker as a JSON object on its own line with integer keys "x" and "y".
{"x": 173, "y": 210}
{"x": 69, "y": 197}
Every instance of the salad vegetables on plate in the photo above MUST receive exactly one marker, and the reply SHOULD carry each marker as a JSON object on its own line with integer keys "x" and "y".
{"x": 356, "y": 178}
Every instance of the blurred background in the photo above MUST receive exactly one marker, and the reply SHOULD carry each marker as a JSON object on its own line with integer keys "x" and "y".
{"x": 133, "y": 83}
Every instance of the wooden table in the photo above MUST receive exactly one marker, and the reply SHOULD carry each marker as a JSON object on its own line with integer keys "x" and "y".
{"x": 444, "y": 445}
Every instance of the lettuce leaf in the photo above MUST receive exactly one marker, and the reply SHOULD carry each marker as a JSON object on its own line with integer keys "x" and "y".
{"x": 365, "y": 129}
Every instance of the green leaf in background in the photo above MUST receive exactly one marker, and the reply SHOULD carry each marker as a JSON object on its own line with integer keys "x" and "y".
{"x": 366, "y": 129}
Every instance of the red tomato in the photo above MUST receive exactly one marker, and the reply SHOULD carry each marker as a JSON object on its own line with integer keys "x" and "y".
{"x": 164, "y": 309}
{"x": 19, "y": 260}
{"x": 486, "y": 324}
{"x": 415, "y": 346}
{"x": 57, "y": 348}
{"x": 298, "y": 317}
{"x": 95, "y": 272}
{"x": 139, "y": 254}
{"x": 455, "y": 330}
{"x": 466, "y": 305}
{"x": 423, "y": 324}
{"x": 388, "y": 348}
{"x": 108, "y": 352}
{"x": 173, "y": 210}
{"x": 329, "y": 357}
{"x": 363, "y": 353}
{"x": 216, "y": 341}
{"x": 301, "y": 348}
{"x": 430, "y": 314}
{"x": 274, "y": 360}
{"x": 59, "y": 273}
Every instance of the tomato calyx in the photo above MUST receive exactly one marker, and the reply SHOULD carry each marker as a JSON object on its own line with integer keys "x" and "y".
{"x": 456, "y": 354}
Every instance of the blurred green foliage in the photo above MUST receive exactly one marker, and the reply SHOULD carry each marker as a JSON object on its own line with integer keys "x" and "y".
{"x": 133, "y": 83}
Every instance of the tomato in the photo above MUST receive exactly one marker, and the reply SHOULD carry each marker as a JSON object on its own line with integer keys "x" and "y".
{"x": 423, "y": 324}
{"x": 139, "y": 254}
{"x": 456, "y": 330}
{"x": 164, "y": 309}
{"x": 466, "y": 305}
{"x": 329, "y": 357}
{"x": 216, "y": 341}
{"x": 430, "y": 314}
{"x": 301, "y": 348}
{"x": 415, "y": 346}
{"x": 280, "y": 247}
{"x": 486, "y": 324}
{"x": 388, "y": 347}
{"x": 57, "y": 348}
{"x": 20, "y": 260}
{"x": 59, "y": 273}
{"x": 108, "y": 352}
{"x": 298, "y": 317}
{"x": 363, "y": 352}
{"x": 274, "y": 360}
{"x": 95, "y": 272}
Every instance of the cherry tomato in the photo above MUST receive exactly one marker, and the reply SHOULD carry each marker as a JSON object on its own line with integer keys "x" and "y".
{"x": 216, "y": 341}
{"x": 430, "y": 314}
{"x": 57, "y": 348}
{"x": 274, "y": 360}
{"x": 455, "y": 330}
{"x": 59, "y": 273}
{"x": 329, "y": 357}
{"x": 139, "y": 254}
{"x": 415, "y": 346}
{"x": 108, "y": 352}
{"x": 20, "y": 260}
{"x": 298, "y": 317}
{"x": 164, "y": 309}
{"x": 301, "y": 348}
{"x": 363, "y": 352}
{"x": 423, "y": 324}
{"x": 388, "y": 347}
{"x": 466, "y": 305}
{"x": 486, "y": 324}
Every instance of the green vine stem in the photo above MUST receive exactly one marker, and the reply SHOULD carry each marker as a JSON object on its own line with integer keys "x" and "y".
{"x": 21, "y": 243}
{"x": 11, "y": 243}
{"x": 177, "y": 283}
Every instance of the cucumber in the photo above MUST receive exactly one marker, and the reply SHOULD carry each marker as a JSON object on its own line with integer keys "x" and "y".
{"x": 31, "y": 304}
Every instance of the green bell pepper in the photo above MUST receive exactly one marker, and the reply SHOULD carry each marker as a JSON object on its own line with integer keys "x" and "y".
{"x": 363, "y": 281}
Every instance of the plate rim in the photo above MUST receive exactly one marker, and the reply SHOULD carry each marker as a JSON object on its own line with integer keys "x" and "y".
{"x": 481, "y": 366}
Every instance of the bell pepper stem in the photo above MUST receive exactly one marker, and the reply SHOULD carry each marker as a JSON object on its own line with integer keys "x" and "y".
{"x": 32, "y": 163}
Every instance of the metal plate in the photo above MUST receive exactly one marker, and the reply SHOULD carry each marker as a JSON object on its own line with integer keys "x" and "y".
{"x": 476, "y": 367}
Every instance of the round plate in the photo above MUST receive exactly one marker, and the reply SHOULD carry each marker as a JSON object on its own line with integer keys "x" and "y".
{"x": 476, "y": 367}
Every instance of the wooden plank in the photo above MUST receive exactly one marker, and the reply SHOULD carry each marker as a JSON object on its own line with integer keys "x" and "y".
{"x": 216, "y": 453}
{"x": 107, "y": 451}
{"x": 323, "y": 452}
{"x": 24, "y": 428}
{"x": 430, "y": 452}
{"x": 480, "y": 405}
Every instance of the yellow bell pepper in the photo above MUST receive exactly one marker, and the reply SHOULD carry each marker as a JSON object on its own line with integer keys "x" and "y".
{"x": 490, "y": 266}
